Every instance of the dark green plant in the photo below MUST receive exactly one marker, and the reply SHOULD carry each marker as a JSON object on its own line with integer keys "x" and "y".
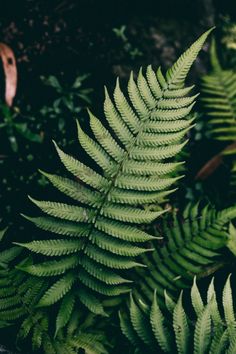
{"x": 68, "y": 102}
{"x": 25, "y": 134}
{"x": 128, "y": 47}
{"x": 14, "y": 125}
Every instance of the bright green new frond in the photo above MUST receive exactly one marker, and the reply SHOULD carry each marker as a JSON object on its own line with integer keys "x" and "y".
{"x": 228, "y": 306}
{"x": 196, "y": 298}
{"x": 159, "y": 328}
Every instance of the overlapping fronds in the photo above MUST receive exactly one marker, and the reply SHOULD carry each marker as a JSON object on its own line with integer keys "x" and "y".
{"x": 97, "y": 235}
{"x": 19, "y": 292}
{"x": 192, "y": 244}
{"x": 172, "y": 330}
{"x": 80, "y": 334}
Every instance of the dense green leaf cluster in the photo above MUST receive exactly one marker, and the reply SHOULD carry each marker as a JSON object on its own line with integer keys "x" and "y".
{"x": 173, "y": 331}
{"x": 192, "y": 247}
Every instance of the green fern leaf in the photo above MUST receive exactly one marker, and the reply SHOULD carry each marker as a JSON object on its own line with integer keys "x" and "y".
{"x": 64, "y": 312}
{"x": 134, "y": 167}
{"x": 181, "y": 334}
{"x": 57, "y": 290}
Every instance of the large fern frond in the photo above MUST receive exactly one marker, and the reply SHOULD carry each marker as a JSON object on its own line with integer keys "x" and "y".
{"x": 134, "y": 166}
{"x": 152, "y": 330}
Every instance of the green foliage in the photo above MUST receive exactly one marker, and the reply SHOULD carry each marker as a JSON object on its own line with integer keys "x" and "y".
{"x": 80, "y": 334}
{"x": 172, "y": 331}
{"x": 19, "y": 297}
{"x": 191, "y": 248}
{"x": 68, "y": 99}
{"x": 14, "y": 125}
{"x": 219, "y": 97}
{"x": 98, "y": 236}
{"x": 26, "y": 131}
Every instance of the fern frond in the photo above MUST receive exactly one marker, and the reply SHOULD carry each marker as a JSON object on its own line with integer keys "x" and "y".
{"x": 219, "y": 95}
{"x": 191, "y": 248}
{"x": 200, "y": 335}
{"x": 134, "y": 167}
{"x": 79, "y": 337}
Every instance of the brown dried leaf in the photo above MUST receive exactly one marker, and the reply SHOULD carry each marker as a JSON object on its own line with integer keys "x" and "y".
{"x": 211, "y": 166}
{"x": 10, "y": 71}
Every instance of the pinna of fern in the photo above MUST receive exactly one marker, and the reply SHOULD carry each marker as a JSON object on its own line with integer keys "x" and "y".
{"x": 192, "y": 246}
{"x": 173, "y": 331}
{"x": 98, "y": 238}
